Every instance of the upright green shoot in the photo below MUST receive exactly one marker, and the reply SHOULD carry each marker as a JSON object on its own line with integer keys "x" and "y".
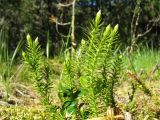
{"x": 94, "y": 67}
{"x": 40, "y": 70}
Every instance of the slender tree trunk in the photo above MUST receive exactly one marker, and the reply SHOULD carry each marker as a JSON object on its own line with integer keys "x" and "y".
{"x": 73, "y": 25}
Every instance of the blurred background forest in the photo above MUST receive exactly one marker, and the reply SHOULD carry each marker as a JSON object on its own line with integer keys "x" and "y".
{"x": 139, "y": 20}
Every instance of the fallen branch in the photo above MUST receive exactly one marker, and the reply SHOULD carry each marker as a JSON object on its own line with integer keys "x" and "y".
{"x": 155, "y": 69}
{"x": 137, "y": 78}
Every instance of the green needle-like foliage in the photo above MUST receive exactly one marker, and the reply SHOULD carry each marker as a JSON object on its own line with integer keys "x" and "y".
{"x": 95, "y": 67}
{"x": 33, "y": 55}
{"x": 39, "y": 69}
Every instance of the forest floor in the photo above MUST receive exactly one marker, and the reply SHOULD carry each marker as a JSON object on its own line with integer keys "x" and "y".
{"x": 142, "y": 100}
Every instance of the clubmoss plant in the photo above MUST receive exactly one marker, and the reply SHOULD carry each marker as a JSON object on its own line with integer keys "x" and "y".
{"x": 40, "y": 71}
{"x": 40, "y": 74}
{"x": 94, "y": 67}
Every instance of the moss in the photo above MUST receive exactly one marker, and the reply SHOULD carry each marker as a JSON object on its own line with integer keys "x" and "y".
{"x": 24, "y": 113}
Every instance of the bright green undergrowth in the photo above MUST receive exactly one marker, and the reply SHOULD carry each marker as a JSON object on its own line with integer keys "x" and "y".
{"x": 144, "y": 59}
{"x": 89, "y": 77}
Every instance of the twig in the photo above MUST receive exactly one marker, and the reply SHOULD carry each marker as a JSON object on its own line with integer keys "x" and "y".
{"x": 65, "y": 5}
{"x": 155, "y": 68}
{"x": 19, "y": 92}
{"x": 145, "y": 33}
{"x": 134, "y": 76}
{"x": 55, "y": 20}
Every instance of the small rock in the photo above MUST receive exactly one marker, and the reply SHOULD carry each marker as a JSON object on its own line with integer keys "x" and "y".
{"x": 127, "y": 116}
{"x": 15, "y": 101}
{"x": 1, "y": 96}
{"x": 12, "y": 102}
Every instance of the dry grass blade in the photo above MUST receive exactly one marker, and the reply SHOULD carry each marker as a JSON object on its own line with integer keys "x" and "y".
{"x": 110, "y": 116}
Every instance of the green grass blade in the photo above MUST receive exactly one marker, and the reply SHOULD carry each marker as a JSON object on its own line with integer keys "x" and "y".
{"x": 19, "y": 46}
